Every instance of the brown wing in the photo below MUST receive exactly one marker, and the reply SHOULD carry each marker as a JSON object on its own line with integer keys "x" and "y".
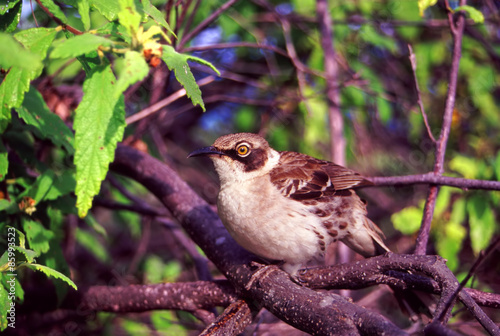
{"x": 302, "y": 177}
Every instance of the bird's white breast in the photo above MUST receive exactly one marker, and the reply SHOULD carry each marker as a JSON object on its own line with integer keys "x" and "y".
{"x": 268, "y": 224}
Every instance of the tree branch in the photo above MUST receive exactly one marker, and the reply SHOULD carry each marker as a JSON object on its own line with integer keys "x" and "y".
{"x": 432, "y": 178}
{"x": 457, "y": 33}
{"x": 57, "y": 20}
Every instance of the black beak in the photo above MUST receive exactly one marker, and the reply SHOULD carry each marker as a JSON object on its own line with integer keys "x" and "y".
{"x": 210, "y": 150}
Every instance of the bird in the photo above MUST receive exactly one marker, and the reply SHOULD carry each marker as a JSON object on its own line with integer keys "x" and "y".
{"x": 286, "y": 206}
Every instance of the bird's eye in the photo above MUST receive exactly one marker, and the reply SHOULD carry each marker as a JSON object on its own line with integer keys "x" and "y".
{"x": 243, "y": 150}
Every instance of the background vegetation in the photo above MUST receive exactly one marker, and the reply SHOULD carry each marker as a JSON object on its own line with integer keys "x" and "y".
{"x": 367, "y": 84}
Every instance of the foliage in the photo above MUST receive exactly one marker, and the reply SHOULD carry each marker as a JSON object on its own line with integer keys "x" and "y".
{"x": 114, "y": 55}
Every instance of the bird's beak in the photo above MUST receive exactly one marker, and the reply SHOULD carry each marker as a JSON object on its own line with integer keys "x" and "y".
{"x": 210, "y": 150}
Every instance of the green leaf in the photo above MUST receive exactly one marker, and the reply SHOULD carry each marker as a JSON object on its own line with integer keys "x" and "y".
{"x": 407, "y": 220}
{"x": 179, "y": 63}
{"x": 474, "y": 14}
{"x": 6, "y": 6}
{"x": 37, "y": 235}
{"x": 55, "y": 9}
{"x": 29, "y": 255}
{"x": 17, "y": 56}
{"x": 424, "y": 4}
{"x": 40, "y": 188}
{"x": 48, "y": 125}
{"x": 370, "y": 35}
{"x": 129, "y": 17}
{"x": 90, "y": 242}
{"x": 17, "y": 81}
{"x": 51, "y": 273}
{"x": 9, "y": 20}
{"x": 450, "y": 241}
{"x": 465, "y": 166}
{"x": 108, "y": 8}
{"x": 99, "y": 125}
{"x": 79, "y": 45}
{"x": 84, "y": 11}
{"x": 4, "y": 306}
{"x": 133, "y": 68}
{"x": 4, "y": 161}
{"x": 156, "y": 15}
{"x": 481, "y": 221}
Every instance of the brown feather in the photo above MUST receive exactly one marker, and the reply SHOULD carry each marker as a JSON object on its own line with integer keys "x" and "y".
{"x": 302, "y": 177}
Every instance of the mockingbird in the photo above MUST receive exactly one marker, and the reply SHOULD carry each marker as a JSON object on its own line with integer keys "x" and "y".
{"x": 288, "y": 206}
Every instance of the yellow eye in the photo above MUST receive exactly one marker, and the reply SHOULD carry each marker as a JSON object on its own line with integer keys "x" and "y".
{"x": 243, "y": 150}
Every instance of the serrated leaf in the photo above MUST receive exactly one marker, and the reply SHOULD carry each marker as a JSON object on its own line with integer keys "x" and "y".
{"x": 17, "y": 56}
{"x": 6, "y": 6}
{"x": 424, "y": 4}
{"x": 55, "y": 10}
{"x": 179, "y": 63}
{"x": 108, "y": 8}
{"x": 133, "y": 68}
{"x": 4, "y": 306}
{"x": 38, "y": 236}
{"x": 84, "y": 11}
{"x": 51, "y": 273}
{"x": 407, "y": 220}
{"x": 481, "y": 221}
{"x": 473, "y": 13}
{"x": 79, "y": 45}
{"x": 129, "y": 17}
{"x": 16, "y": 83}
{"x": 99, "y": 125}
{"x": 4, "y": 161}
{"x": 5, "y": 114}
{"x": 30, "y": 255}
{"x": 9, "y": 20}
{"x": 156, "y": 15}
{"x": 48, "y": 125}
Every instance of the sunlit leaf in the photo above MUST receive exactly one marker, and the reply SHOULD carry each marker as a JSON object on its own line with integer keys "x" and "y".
{"x": 481, "y": 221}
{"x": 51, "y": 273}
{"x": 38, "y": 236}
{"x": 99, "y": 125}
{"x": 179, "y": 63}
{"x": 473, "y": 13}
{"x": 424, "y": 4}
{"x": 131, "y": 69}
{"x": 407, "y": 220}
{"x": 79, "y": 45}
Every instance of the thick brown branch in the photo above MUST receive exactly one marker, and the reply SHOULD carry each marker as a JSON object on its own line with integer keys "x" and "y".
{"x": 310, "y": 311}
{"x": 232, "y": 321}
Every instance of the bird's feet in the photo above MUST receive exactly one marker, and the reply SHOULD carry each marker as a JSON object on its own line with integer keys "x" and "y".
{"x": 263, "y": 270}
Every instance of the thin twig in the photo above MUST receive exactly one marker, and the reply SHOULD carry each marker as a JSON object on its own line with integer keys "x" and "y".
{"x": 237, "y": 45}
{"x": 290, "y": 48}
{"x": 205, "y": 23}
{"x": 413, "y": 61}
{"x": 432, "y": 178}
{"x": 457, "y": 32}
{"x": 164, "y": 102}
{"x": 57, "y": 20}
{"x": 484, "y": 254}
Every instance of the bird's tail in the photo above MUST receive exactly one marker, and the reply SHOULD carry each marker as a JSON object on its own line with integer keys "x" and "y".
{"x": 367, "y": 240}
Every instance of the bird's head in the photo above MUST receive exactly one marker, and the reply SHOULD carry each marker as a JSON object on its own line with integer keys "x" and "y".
{"x": 240, "y": 156}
